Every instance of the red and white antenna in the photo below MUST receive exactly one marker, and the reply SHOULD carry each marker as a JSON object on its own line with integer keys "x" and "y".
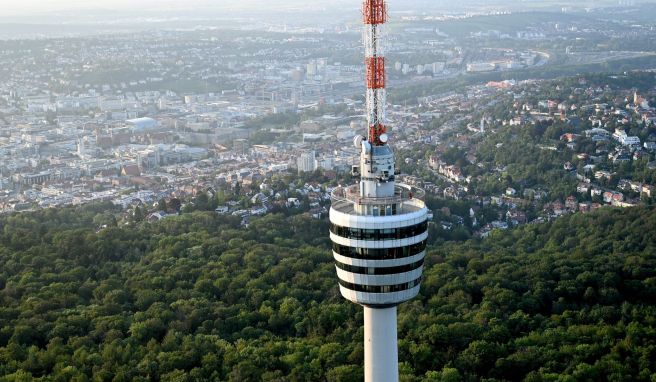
{"x": 375, "y": 16}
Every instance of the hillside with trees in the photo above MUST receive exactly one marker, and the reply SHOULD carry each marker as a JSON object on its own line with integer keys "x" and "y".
{"x": 197, "y": 297}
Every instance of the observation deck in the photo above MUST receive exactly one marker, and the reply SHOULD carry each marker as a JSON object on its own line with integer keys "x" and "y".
{"x": 379, "y": 244}
{"x": 406, "y": 199}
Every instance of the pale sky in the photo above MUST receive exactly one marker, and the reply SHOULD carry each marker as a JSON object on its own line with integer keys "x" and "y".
{"x": 39, "y": 5}
{"x": 24, "y": 6}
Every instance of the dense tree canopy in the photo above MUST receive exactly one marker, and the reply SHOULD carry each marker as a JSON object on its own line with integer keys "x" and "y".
{"x": 197, "y": 297}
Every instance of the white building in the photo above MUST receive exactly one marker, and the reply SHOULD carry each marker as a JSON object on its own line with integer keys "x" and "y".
{"x": 631, "y": 141}
{"x": 141, "y": 124}
{"x": 478, "y": 67}
{"x": 307, "y": 162}
{"x": 624, "y": 139}
{"x": 438, "y": 67}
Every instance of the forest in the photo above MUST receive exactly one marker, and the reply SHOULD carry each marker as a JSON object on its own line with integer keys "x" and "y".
{"x": 196, "y": 297}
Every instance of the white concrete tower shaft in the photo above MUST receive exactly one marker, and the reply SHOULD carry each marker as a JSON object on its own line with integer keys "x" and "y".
{"x": 381, "y": 358}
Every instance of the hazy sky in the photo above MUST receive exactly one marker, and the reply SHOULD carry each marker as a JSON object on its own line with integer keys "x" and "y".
{"x": 40, "y": 5}
{"x": 68, "y": 8}
{"x": 26, "y": 6}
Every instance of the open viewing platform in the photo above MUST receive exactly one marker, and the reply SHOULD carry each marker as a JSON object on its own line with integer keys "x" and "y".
{"x": 407, "y": 199}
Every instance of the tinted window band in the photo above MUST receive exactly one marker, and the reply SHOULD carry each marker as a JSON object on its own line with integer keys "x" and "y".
{"x": 380, "y": 253}
{"x": 380, "y": 288}
{"x": 375, "y": 271}
{"x": 379, "y": 234}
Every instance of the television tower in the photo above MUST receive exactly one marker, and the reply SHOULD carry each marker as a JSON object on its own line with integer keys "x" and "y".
{"x": 378, "y": 228}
